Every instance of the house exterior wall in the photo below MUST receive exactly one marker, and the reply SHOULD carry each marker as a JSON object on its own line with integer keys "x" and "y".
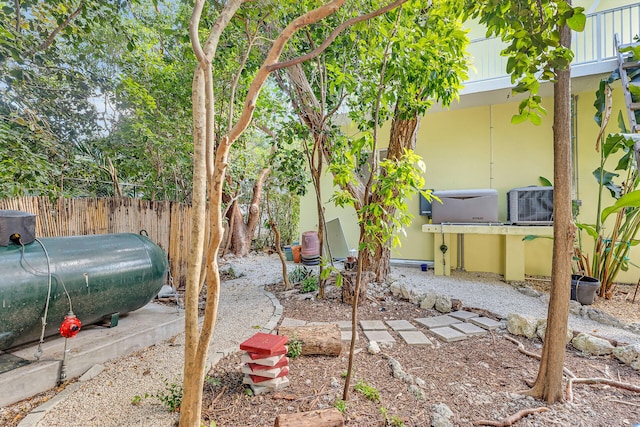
{"x": 473, "y": 145}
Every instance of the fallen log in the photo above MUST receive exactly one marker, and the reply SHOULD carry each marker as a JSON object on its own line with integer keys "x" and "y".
{"x": 325, "y": 340}
{"x": 320, "y": 418}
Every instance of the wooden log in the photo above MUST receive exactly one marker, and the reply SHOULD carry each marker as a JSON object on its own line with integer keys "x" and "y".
{"x": 325, "y": 340}
{"x": 320, "y": 418}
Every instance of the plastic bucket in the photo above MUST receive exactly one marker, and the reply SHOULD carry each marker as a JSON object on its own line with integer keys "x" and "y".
{"x": 288, "y": 254}
{"x": 310, "y": 244}
{"x": 297, "y": 257}
{"x": 584, "y": 288}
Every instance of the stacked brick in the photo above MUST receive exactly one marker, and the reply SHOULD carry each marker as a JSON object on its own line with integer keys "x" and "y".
{"x": 265, "y": 362}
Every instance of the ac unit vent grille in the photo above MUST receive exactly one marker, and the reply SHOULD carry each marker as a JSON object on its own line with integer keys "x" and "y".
{"x": 530, "y": 206}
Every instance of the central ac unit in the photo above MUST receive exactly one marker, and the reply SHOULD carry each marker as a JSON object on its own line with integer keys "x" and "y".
{"x": 530, "y": 206}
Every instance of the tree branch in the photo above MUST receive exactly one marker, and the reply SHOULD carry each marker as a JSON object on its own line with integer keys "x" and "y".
{"x": 17, "y": 6}
{"x": 333, "y": 35}
{"x": 512, "y": 419}
{"x": 522, "y": 350}
{"x": 606, "y": 381}
{"x": 61, "y": 27}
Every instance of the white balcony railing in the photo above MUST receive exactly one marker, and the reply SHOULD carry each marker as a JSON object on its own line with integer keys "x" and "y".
{"x": 595, "y": 45}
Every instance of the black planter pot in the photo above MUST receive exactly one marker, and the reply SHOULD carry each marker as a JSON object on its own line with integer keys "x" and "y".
{"x": 584, "y": 288}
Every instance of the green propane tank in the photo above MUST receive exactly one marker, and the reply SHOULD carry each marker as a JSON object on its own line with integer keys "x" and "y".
{"x": 103, "y": 275}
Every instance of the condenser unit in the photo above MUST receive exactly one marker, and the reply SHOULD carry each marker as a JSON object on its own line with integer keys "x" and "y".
{"x": 530, "y": 206}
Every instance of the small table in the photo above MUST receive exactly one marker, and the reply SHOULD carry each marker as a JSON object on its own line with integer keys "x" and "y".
{"x": 514, "y": 245}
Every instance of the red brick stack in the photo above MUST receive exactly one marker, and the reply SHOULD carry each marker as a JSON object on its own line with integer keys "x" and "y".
{"x": 266, "y": 366}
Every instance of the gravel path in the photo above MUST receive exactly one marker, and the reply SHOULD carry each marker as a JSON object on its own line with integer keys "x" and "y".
{"x": 488, "y": 292}
{"x": 106, "y": 400}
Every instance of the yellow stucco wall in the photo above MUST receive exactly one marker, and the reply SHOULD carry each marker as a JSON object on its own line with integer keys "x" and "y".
{"x": 474, "y": 146}
{"x": 478, "y": 147}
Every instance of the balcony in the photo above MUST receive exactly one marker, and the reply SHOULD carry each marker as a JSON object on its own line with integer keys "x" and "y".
{"x": 594, "y": 49}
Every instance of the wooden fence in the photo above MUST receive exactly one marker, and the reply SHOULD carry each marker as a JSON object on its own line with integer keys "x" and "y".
{"x": 167, "y": 223}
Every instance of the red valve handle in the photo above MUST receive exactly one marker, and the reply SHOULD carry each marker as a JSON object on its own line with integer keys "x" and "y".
{"x": 70, "y": 326}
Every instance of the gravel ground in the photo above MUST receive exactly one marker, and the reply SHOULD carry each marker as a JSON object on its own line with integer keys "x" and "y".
{"x": 106, "y": 400}
{"x": 487, "y": 291}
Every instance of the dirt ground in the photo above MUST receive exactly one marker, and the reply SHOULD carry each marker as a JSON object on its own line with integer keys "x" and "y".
{"x": 478, "y": 379}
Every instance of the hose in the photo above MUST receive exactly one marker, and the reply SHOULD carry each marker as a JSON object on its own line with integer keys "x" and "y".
{"x": 49, "y": 275}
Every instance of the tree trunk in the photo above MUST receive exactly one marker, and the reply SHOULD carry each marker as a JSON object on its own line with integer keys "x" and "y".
{"x": 377, "y": 262}
{"x": 402, "y": 137}
{"x": 548, "y": 385}
{"x": 241, "y": 233}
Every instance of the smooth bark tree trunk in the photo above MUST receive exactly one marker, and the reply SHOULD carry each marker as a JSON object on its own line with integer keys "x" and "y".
{"x": 548, "y": 385}
{"x": 241, "y": 232}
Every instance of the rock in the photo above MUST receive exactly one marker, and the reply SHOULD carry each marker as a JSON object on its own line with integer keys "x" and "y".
{"x": 395, "y": 289}
{"x": 441, "y": 415}
{"x": 629, "y": 355}
{"x": 529, "y": 292}
{"x": 386, "y": 344}
{"x": 373, "y": 348}
{"x": 592, "y": 345}
{"x": 522, "y": 325}
{"x": 542, "y": 329}
{"x": 602, "y": 317}
{"x": 335, "y": 383}
{"x": 443, "y": 304}
{"x": 417, "y": 392}
{"x": 456, "y": 304}
{"x": 413, "y": 297}
{"x": 428, "y": 300}
{"x": 633, "y": 327}
{"x": 575, "y": 307}
{"x": 404, "y": 291}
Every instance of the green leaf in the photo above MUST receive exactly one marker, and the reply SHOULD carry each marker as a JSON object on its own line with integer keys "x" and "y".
{"x": 520, "y": 118}
{"x": 629, "y": 200}
{"x": 577, "y": 21}
{"x": 545, "y": 182}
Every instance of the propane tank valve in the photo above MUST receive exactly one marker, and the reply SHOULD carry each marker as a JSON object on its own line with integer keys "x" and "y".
{"x": 70, "y": 326}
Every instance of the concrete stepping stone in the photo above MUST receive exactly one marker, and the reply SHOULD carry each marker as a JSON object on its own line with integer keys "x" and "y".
{"x": 289, "y": 322}
{"x": 415, "y": 338}
{"x": 437, "y": 322}
{"x": 380, "y": 337}
{"x": 469, "y": 329}
{"x": 346, "y": 336}
{"x": 373, "y": 325}
{"x": 401, "y": 325}
{"x": 448, "y": 334}
{"x": 345, "y": 325}
{"x": 463, "y": 315}
{"x": 485, "y": 322}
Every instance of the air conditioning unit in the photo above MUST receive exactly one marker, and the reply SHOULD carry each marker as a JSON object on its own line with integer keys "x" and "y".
{"x": 530, "y": 206}
{"x": 465, "y": 206}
